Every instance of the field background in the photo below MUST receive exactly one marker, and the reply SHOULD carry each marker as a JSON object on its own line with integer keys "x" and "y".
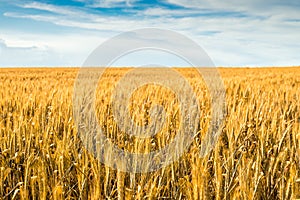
{"x": 256, "y": 157}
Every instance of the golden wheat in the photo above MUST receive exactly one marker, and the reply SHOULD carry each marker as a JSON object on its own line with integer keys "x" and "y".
{"x": 257, "y": 155}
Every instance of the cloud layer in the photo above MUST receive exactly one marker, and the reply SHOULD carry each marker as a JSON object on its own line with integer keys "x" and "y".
{"x": 235, "y": 33}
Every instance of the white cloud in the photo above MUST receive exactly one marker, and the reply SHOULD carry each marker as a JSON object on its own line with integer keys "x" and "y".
{"x": 29, "y": 49}
{"x": 50, "y": 8}
{"x": 95, "y": 22}
{"x": 108, "y": 3}
{"x": 254, "y": 5}
{"x": 26, "y": 56}
{"x": 284, "y": 9}
{"x": 158, "y": 11}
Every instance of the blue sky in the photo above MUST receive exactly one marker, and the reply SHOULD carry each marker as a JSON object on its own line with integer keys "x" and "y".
{"x": 64, "y": 33}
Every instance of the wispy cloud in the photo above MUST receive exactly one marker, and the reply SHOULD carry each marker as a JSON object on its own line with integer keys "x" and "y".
{"x": 108, "y": 3}
{"x": 50, "y": 8}
{"x": 94, "y": 23}
{"x": 253, "y": 7}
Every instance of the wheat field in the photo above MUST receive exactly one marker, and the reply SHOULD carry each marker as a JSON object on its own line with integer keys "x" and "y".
{"x": 257, "y": 155}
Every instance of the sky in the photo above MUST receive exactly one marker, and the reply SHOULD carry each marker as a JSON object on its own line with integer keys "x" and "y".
{"x": 64, "y": 33}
